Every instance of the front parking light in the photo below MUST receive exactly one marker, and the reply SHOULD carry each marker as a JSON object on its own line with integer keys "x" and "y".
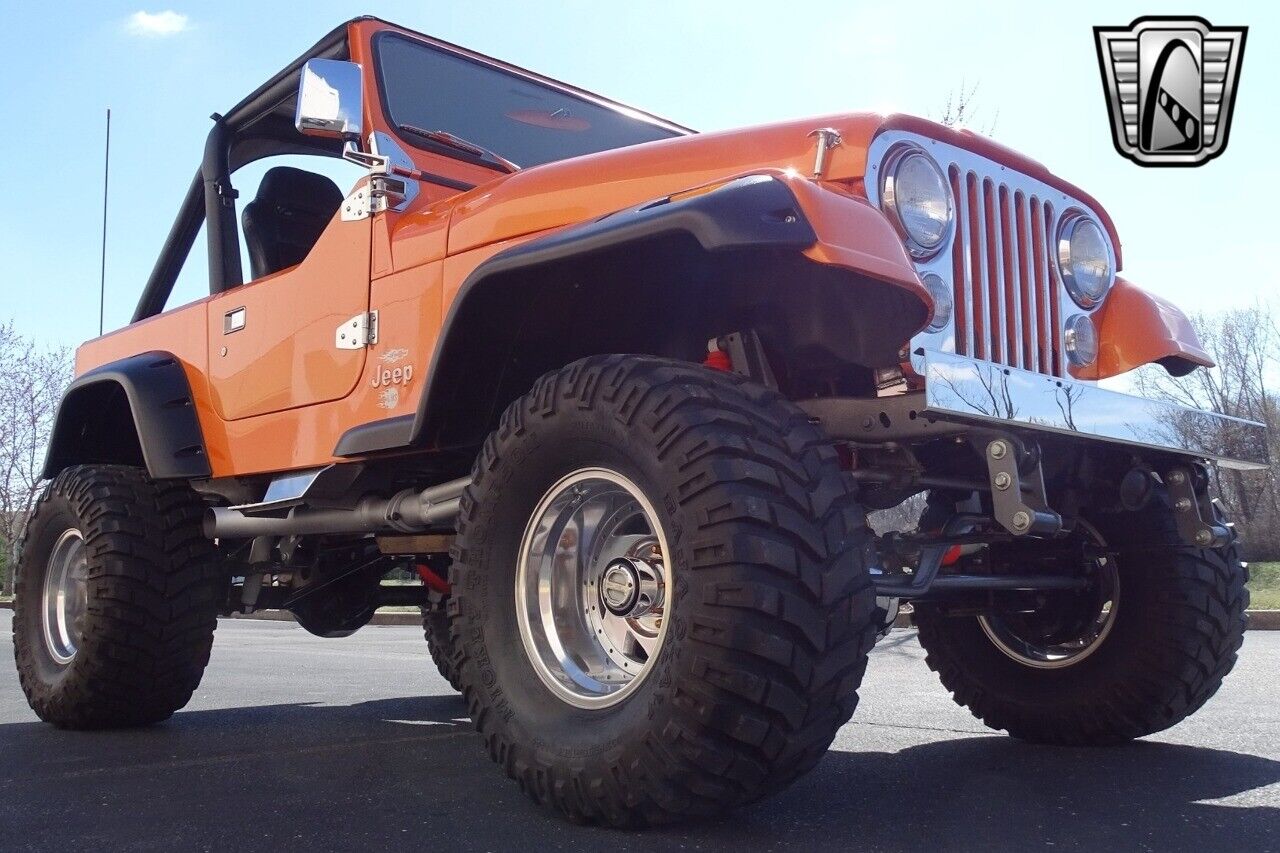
{"x": 1081, "y": 339}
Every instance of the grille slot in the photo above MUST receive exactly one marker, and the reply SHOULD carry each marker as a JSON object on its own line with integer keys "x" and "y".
{"x": 1006, "y": 294}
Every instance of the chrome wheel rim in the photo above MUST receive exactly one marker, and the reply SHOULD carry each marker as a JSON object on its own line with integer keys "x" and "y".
{"x": 66, "y": 596}
{"x": 1093, "y": 633}
{"x": 591, "y": 588}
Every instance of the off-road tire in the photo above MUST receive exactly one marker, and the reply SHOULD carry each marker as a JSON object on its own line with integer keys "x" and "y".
{"x": 772, "y": 607}
{"x": 153, "y": 593}
{"x": 1179, "y": 623}
{"x": 435, "y": 626}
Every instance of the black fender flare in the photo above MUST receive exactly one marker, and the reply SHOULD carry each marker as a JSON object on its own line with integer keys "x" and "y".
{"x": 755, "y": 211}
{"x": 148, "y": 393}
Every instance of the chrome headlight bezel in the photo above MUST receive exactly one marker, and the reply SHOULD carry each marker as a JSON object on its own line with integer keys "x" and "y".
{"x": 1082, "y": 292}
{"x": 900, "y": 155}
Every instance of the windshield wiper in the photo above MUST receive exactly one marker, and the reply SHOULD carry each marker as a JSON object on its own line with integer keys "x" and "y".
{"x": 443, "y": 137}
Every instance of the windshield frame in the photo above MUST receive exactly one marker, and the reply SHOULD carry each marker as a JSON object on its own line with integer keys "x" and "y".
{"x": 422, "y": 144}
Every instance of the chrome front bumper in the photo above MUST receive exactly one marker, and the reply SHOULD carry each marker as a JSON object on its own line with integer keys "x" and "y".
{"x": 965, "y": 390}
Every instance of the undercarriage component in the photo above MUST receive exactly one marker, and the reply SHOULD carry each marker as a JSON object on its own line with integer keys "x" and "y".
{"x": 887, "y": 608}
{"x": 340, "y": 592}
{"x": 337, "y": 607}
{"x": 401, "y": 595}
{"x": 409, "y": 511}
{"x": 1017, "y": 488}
{"x": 1193, "y": 509}
{"x": 742, "y": 353}
{"x": 946, "y": 583}
{"x": 898, "y": 418}
{"x": 924, "y": 555}
{"x": 433, "y": 578}
{"x": 927, "y": 581}
{"x": 429, "y": 543}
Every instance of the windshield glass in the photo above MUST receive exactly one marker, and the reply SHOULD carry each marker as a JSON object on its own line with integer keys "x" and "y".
{"x": 523, "y": 120}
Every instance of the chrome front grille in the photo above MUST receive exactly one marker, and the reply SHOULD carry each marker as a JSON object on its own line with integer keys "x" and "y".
{"x": 1007, "y": 297}
{"x": 1010, "y": 304}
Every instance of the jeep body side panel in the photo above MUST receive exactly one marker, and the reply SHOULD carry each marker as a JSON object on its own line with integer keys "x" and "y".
{"x": 136, "y": 410}
{"x": 283, "y": 355}
{"x": 1136, "y": 327}
{"x": 769, "y": 215}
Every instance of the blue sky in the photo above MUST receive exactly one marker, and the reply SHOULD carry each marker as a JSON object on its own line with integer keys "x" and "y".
{"x": 1201, "y": 236}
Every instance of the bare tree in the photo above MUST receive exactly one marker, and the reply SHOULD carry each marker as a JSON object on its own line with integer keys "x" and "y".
{"x": 32, "y": 379}
{"x": 961, "y": 110}
{"x": 1245, "y": 343}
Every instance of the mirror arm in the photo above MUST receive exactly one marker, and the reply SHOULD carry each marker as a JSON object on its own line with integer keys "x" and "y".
{"x": 371, "y": 160}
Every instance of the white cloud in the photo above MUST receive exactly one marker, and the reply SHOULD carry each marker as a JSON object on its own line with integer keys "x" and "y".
{"x": 156, "y": 24}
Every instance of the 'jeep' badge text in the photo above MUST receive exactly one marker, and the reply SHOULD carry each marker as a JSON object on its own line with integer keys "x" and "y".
{"x": 1170, "y": 85}
{"x": 390, "y": 379}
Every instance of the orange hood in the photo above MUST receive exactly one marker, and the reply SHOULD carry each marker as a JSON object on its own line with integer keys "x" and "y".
{"x": 583, "y": 188}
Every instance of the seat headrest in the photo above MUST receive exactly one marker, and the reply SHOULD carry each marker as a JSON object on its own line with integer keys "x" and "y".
{"x": 299, "y": 190}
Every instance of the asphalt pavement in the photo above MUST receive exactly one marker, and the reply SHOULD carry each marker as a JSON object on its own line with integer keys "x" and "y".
{"x": 298, "y": 743}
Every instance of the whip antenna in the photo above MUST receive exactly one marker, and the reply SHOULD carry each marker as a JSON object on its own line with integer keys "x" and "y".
{"x": 102, "y": 274}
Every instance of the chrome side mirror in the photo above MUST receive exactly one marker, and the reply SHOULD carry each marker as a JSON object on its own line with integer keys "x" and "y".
{"x": 330, "y": 99}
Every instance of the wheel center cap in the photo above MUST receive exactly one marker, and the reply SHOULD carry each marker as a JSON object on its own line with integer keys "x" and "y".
{"x": 619, "y": 587}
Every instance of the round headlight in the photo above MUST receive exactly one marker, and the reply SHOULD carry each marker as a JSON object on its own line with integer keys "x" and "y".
{"x": 1084, "y": 260}
{"x": 942, "y": 301}
{"x": 1081, "y": 339}
{"x": 918, "y": 195}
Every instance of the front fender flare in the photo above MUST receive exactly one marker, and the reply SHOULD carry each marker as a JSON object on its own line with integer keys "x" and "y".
{"x": 769, "y": 210}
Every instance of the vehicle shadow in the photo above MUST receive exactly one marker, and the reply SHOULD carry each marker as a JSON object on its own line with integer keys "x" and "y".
{"x": 991, "y": 792}
{"x": 410, "y": 772}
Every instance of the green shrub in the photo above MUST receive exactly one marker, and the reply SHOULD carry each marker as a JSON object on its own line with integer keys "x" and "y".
{"x": 1264, "y": 586}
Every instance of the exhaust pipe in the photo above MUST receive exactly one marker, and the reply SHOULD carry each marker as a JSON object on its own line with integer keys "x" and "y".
{"x": 408, "y": 511}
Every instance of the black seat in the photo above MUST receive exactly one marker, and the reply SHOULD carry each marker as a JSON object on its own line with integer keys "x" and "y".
{"x": 286, "y": 218}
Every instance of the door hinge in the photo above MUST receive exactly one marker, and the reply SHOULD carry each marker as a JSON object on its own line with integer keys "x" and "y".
{"x": 379, "y": 193}
{"x": 358, "y": 332}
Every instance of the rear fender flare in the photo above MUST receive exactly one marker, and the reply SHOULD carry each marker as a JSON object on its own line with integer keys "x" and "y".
{"x": 135, "y": 411}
